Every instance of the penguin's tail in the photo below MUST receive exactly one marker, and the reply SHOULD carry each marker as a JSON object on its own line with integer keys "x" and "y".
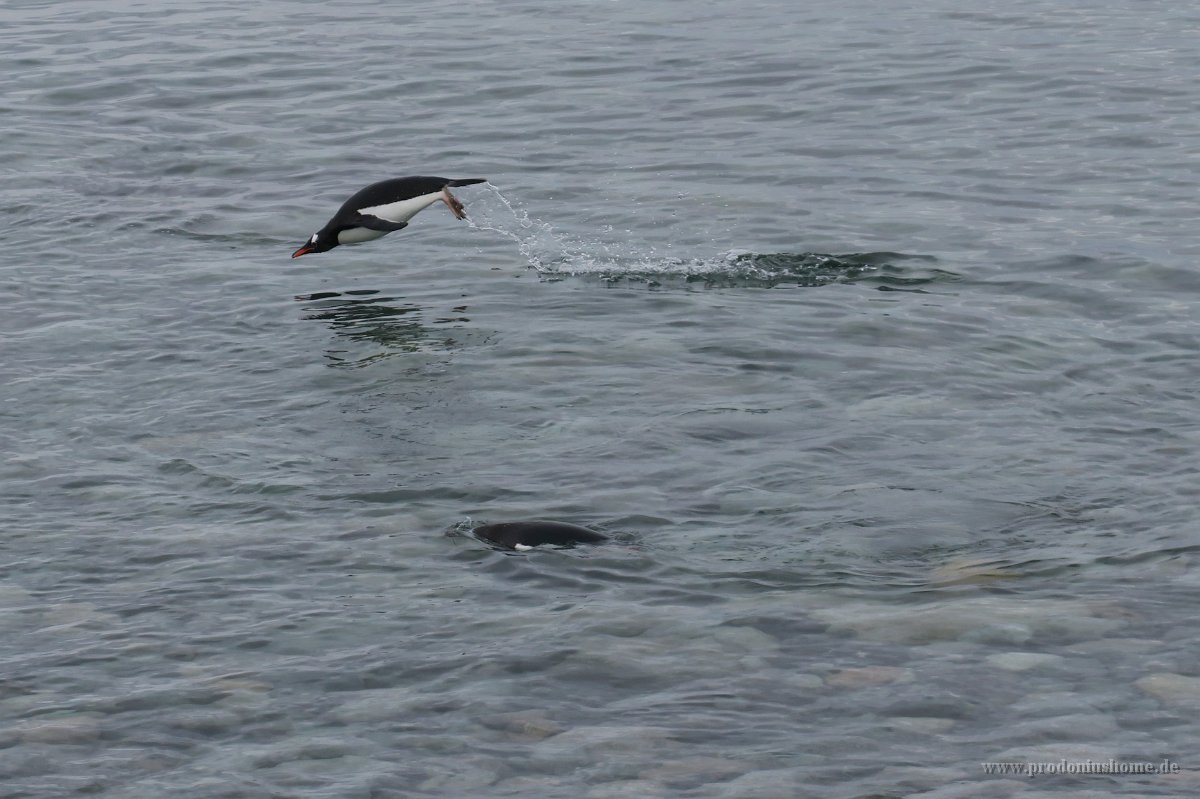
{"x": 467, "y": 181}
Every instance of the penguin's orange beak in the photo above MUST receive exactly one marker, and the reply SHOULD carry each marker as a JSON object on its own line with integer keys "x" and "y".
{"x": 304, "y": 250}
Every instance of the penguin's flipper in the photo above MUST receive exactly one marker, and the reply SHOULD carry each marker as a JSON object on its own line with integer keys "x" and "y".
{"x": 375, "y": 223}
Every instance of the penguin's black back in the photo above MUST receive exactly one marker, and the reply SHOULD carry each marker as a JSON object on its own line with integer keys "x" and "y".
{"x": 537, "y": 533}
{"x": 397, "y": 189}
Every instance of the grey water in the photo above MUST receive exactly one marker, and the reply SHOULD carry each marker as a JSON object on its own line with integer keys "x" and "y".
{"x": 866, "y": 330}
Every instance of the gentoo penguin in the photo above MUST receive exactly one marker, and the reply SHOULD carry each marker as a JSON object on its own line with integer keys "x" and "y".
{"x": 523, "y": 536}
{"x": 384, "y": 208}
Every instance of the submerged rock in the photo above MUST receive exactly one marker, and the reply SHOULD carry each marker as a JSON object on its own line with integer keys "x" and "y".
{"x": 866, "y": 676}
{"x": 1173, "y": 689}
{"x": 1023, "y": 661}
{"x": 1009, "y": 621}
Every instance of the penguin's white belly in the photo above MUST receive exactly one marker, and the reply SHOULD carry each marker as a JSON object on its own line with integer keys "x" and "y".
{"x": 402, "y": 210}
{"x": 357, "y": 235}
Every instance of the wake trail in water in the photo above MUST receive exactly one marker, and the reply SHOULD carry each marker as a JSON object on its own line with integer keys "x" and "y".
{"x": 555, "y": 253}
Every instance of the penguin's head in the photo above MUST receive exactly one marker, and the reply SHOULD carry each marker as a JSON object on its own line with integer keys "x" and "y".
{"x": 317, "y": 242}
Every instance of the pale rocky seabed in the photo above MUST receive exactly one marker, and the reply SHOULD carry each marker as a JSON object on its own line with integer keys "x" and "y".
{"x": 867, "y": 332}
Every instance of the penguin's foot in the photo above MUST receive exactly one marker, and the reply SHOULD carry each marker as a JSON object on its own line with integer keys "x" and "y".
{"x": 453, "y": 204}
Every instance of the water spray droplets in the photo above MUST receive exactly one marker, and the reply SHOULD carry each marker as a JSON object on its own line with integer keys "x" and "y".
{"x": 552, "y": 252}
{"x": 537, "y": 241}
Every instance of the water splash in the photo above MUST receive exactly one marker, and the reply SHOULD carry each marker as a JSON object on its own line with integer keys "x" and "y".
{"x": 556, "y": 254}
{"x": 546, "y": 249}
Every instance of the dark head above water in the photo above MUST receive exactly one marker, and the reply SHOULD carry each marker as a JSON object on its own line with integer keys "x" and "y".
{"x": 384, "y": 208}
{"x": 527, "y": 535}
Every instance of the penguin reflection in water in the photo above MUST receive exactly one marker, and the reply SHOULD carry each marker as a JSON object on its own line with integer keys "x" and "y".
{"x": 523, "y": 536}
{"x": 384, "y": 208}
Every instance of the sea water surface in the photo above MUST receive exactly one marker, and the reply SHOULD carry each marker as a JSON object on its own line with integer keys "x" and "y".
{"x": 867, "y": 330}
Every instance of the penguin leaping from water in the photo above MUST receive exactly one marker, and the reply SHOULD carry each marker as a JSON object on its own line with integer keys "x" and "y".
{"x": 384, "y": 208}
